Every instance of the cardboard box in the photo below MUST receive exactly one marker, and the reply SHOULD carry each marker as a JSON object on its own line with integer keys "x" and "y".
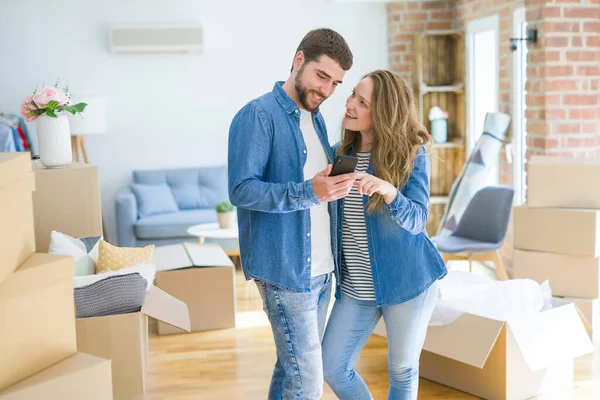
{"x": 556, "y": 230}
{"x": 590, "y": 310}
{"x": 37, "y": 317}
{"x": 66, "y": 200}
{"x": 16, "y": 211}
{"x": 568, "y": 275}
{"x": 506, "y": 360}
{"x": 563, "y": 182}
{"x": 81, "y": 376}
{"x": 203, "y": 277}
{"x": 123, "y": 339}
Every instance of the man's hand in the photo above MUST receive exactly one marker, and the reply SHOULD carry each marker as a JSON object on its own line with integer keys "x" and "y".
{"x": 369, "y": 184}
{"x": 330, "y": 188}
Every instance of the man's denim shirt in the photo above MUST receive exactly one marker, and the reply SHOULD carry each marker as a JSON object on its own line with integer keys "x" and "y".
{"x": 266, "y": 161}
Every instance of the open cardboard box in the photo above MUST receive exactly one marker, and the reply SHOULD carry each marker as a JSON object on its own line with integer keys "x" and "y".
{"x": 563, "y": 182}
{"x": 507, "y": 360}
{"x": 80, "y": 376}
{"x": 17, "y": 239}
{"x": 202, "y": 275}
{"x": 123, "y": 338}
{"x": 590, "y": 311}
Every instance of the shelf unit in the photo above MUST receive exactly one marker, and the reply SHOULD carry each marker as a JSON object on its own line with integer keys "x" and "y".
{"x": 439, "y": 80}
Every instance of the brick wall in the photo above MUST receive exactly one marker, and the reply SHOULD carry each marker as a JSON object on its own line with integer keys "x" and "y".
{"x": 406, "y": 19}
{"x": 563, "y": 93}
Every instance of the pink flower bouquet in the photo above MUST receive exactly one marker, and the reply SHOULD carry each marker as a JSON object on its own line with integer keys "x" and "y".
{"x": 49, "y": 100}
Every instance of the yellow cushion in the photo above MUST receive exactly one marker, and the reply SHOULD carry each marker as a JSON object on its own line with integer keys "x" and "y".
{"x": 112, "y": 258}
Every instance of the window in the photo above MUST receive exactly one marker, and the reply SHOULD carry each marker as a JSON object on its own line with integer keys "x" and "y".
{"x": 482, "y": 77}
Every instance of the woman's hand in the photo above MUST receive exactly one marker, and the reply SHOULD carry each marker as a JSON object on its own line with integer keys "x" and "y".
{"x": 368, "y": 184}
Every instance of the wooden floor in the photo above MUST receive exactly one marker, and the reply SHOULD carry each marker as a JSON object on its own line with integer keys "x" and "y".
{"x": 237, "y": 363}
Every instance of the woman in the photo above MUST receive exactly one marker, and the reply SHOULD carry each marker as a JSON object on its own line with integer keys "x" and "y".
{"x": 389, "y": 266}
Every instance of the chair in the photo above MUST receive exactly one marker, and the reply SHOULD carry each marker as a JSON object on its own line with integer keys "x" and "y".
{"x": 482, "y": 229}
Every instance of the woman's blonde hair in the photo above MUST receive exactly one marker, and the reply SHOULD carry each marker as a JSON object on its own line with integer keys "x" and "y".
{"x": 397, "y": 132}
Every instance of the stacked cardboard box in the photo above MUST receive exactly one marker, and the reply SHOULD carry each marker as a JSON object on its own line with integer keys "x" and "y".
{"x": 557, "y": 235}
{"x": 68, "y": 200}
{"x": 38, "y": 347}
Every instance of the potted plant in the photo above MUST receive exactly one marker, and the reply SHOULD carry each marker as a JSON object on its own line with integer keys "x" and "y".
{"x": 47, "y": 107}
{"x": 225, "y": 214}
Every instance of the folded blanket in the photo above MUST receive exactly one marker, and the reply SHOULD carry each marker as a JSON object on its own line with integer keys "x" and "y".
{"x": 147, "y": 271}
{"x": 116, "y": 294}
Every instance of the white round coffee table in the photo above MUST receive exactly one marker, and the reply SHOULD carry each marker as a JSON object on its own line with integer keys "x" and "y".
{"x": 213, "y": 231}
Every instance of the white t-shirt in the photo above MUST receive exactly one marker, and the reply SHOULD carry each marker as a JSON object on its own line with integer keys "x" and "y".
{"x": 316, "y": 161}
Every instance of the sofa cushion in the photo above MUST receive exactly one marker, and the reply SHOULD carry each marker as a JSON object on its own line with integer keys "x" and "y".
{"x": 192, "y": 188}
{"x": 153, "y": 199}
{"x": 172, "y": 224}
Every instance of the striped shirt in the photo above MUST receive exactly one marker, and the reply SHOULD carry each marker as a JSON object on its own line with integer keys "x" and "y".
{"x": 357, "y": 281}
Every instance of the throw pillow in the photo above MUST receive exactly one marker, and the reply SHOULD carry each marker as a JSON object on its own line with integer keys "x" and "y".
{"x": 154, "y": 199}
{"x": 83, "y": 250}
{"x": 112, "y": 258}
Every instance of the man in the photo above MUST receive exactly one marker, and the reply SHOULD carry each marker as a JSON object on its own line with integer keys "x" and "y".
{"x": 279, "y": 162}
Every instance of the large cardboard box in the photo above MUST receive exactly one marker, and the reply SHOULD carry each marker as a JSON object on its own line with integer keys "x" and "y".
{"x": 123, "y": 339}
{"x": 81, "y": 376}
{"x": 563, "y": 182}
{"x": 37, "y": 317}
{"x": 556, "y": 230}
{"x": 568, "y": 275}
{"x": 66, "y": 200}
{"x": 506, "y": 360}
{"x": 16, "y": 211}
{"x": 203, "y": 277}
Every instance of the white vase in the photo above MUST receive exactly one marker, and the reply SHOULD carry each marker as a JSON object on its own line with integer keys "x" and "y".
{"x": 226, "y": 219}
{"x": 54, "y": 141}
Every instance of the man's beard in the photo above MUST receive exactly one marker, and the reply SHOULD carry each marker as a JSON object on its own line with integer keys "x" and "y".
{"x": 303, "y": 93}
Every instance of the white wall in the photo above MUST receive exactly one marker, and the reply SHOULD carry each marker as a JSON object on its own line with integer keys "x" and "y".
{"x": 173, "y": 110}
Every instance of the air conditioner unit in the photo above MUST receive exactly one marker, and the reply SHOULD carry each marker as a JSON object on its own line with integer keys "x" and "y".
{"x": 156, "y": 39}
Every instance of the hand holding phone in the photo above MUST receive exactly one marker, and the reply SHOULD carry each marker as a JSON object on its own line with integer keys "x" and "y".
{"x": 344, "y": 165}
{"x": 328, "y": 186}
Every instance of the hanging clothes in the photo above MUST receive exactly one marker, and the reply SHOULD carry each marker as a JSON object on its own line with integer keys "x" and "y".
{"x": 20, "y": 133}
{"x": 23, "y": 127}
{"x": 7, "y": 140}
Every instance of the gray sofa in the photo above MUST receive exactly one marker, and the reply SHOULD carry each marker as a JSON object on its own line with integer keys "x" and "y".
{"x": 160, "y": 205}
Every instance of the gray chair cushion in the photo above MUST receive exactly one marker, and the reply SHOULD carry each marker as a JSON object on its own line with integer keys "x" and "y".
{"x": 172, "y": 224}
{"x": 117, "y": 294}
{"x": 457, "y": 244}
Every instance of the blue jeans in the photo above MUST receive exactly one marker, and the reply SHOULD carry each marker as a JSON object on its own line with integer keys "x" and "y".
{"x": 298, "y": 321}
{"x": 350, "y": 325}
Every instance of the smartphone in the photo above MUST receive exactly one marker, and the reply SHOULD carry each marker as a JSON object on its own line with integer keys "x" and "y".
{"x": 343, "y": 165}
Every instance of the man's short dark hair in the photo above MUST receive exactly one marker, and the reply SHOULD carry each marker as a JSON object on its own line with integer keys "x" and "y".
{"x": 324, "y": 41}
